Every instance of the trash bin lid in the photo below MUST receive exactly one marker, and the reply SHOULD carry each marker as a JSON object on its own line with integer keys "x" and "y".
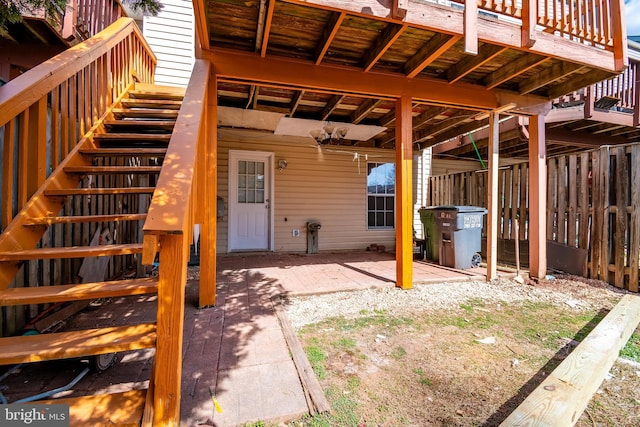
{"x": 462, "y": 209}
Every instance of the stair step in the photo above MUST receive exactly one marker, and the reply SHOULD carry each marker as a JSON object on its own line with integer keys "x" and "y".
{"x": 168, "y": 104}
{"x": 140, "y": 126}
{"x": 99, "y": 191}
{"x": 114, "y": 409}
{"x": 151, "y": 91}
{"x": 72, "y": 252}
{"x": 103, "y": 170}
{"x": 145, "y": 113}
{"x": 146, "y": 137}
{"x": 84, "y": 291}
{"x": 65, "y": 345}
{"x": 74, "y": 219}
{"x": 124, "y": 151}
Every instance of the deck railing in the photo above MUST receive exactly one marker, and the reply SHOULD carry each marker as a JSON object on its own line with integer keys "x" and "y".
{"x": 177, "y": 204}
{"x": 623, "y": 87}
{"x": 593, "y": 22}
{"x": 93, "y": 16}
{"x": 620, "y": 94}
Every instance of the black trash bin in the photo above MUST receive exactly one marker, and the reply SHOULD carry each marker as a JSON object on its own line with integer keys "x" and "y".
{"x": 459, "y": 231}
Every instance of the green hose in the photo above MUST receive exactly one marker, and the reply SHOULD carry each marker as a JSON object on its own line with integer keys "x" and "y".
{"x": 477, "y": 152}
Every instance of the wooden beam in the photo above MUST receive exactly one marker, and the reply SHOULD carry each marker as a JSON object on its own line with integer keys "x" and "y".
{"x": 471, "y": 27}
{"x": 571, "y": 84}
{"x": 328, "y": 34}
{"x": 384, "y": 41}
{"x": 493, "y": 195}
{"x": 580, "y": 139}
{"x": 331, "y": 105}
{"x": 549, "y": 75}
{"x": 208, "y": 248}
{"x": 267, "y": 28}
{"x": 564, "y": 395}
{"x": 457, "y": 119}
{"x": 513, "y": 69}
{"x": 537, "y": 198}
{"x": 477, "y": 134}
{"x": 427, "y": 115}
{"x": 432, "y": 50}
{"x": 230, "y": 66}
{"x": 295, "y": 102}
{"x": 364, "y": 109}
{"x": 404, "y": 194}
{"x": 470, "y": 63}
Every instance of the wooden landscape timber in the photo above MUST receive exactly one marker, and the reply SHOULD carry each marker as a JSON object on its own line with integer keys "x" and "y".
{"x": 562, "y": 397}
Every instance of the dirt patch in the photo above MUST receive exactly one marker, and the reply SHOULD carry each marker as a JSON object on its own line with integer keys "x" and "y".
{"x": 470, "y": 364}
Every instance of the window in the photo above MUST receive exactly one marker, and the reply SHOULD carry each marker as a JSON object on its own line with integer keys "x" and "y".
{"x": 381, "y": 199}
{"x": 250, "y": 182}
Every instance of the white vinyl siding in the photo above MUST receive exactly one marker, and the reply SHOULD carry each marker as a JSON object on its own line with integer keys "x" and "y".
{"x": 325, "y": 185}
{"x": 171, "y": 37}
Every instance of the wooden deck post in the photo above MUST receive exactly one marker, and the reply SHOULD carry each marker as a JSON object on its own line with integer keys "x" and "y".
{"x": 174, "y": 253}
{"x": 209, "y": 232}
{"x": 493, "y": 194}
{"x": 537, "y": 198}
{"x": 404, "y": 193}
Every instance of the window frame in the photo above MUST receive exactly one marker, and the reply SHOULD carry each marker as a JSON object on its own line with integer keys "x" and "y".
{"x": 384, "y": 196}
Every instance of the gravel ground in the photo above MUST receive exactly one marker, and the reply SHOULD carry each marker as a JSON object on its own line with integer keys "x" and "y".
{"x": 575, "y": 292}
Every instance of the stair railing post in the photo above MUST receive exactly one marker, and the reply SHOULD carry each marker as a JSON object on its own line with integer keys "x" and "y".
{"x": 174, "y": 252}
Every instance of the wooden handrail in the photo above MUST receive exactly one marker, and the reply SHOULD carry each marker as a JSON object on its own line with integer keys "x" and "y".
{"x": 170, "y": 206}
{"x": 168, "y": 227}
{"x": 26, "y": 89}
{"x": 45, "y": 112}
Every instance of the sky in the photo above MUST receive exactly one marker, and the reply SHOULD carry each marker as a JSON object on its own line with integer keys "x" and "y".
{"x": 632, "y": 16}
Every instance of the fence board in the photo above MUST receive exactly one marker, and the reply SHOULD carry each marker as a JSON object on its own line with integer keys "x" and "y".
{"x": 605, "y": 176}
{"x": 634, "y": 229}
{"x": 572, "y": 187}
{"x": 552, "y": 198}
{"x": 620, "y": 225}
{"x": 561, "y": 223}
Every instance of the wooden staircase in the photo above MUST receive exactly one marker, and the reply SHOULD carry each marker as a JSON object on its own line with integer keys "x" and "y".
{"x": 112, "y": 173}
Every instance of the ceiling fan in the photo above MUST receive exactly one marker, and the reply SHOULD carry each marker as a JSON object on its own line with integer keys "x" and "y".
{"x": 325, "y": 132}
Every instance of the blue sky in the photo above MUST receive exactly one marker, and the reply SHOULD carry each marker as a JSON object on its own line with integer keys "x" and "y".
{"x": 632, "y": 15}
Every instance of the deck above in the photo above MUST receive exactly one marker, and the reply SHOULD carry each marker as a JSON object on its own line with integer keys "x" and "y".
{"x": 347, "y": 61}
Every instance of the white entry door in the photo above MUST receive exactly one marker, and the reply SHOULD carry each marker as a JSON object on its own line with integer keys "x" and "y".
{"x": 250, "y": 219}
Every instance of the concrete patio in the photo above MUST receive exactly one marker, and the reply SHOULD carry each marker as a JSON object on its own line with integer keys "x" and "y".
{"x": 236, "y": 350}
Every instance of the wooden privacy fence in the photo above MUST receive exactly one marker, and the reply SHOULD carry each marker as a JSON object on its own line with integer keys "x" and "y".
{"x": 593, "y": 203}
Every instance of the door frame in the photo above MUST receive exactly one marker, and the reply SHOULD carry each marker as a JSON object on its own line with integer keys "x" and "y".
{"x": 268, "y": 156}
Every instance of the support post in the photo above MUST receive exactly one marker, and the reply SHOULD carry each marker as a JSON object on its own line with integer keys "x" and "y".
{"x": 174, "y": 253}
{"x": 209, "y": 229}
{"x": 537, "y": 198}
{"x": 404, "y": 186}
{"x": 493, "y": 195}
